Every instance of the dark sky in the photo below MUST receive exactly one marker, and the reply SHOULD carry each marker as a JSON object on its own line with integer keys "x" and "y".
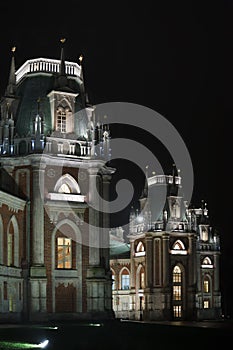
{"x": 173, "y": 57}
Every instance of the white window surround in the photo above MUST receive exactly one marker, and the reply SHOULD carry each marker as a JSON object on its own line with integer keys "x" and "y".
{"x": 70, "y": 182}
{"x": 178, "y": 248}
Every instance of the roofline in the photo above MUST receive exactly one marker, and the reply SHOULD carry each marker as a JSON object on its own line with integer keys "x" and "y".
{"x": 47, "y": 65}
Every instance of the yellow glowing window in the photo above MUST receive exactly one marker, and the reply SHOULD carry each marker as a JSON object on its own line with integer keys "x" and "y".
{"x": 176, "y": 292}
{"x": 142, "y": 279}
{"x": 176, "y": 274}
{"x": 206, "y": 286}
{"x": 206, "y": 304}
{"x": 177, "y": 311}
{"x": 64, "y": 253}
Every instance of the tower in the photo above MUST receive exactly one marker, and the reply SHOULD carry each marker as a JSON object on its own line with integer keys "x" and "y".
{"x": 54, "y": 245}
{"x": 172, "y": 264}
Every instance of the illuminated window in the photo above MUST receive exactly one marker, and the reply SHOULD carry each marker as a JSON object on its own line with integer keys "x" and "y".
{"x": 178, "y": 248}
{"x": 177, "y": 311}
{"x": 179, "y": 245}
{"x": 206, "y": 304}
{"x": 176, "y": 274}
{"x": 61, "y": 120}
{"x": 176, "y": 292}
{"x": 206, "y": 286}
{"x": 140, "y": 249}
{"x": 207, "y": 261}
{"x": 204, "y": 232}
{"x": 64, "y": 253}
{"x": 125, "y": 279}
{"x": 142, "y": 279}
{"x": 64, "y": 189}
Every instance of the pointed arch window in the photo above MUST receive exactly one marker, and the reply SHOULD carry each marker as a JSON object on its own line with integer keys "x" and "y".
{"x": 67, "y": 184}
{"x": 140, "y": 249}
{"x": 13, "y": 243}
{"x": 125, "y": 281}
{"x": 177, "y": 291}
{"x": 64, "y": 189}
{"x": 178, "y": 248}
{"x": 207, "y": 263}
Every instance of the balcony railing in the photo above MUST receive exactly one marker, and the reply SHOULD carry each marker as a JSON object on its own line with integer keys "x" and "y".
{"x": 46, "y": 65}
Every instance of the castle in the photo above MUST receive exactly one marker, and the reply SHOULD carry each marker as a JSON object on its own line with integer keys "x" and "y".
{"x": 55, "y": 260}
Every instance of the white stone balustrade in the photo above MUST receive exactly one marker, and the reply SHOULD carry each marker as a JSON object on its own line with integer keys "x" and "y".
{"x": 46, "y": 65}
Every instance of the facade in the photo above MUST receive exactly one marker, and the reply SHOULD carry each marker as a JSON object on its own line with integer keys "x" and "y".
{"x": 167, "y": 268}
{"x": 52, "y": 261}
{"x": 55, "y": 261}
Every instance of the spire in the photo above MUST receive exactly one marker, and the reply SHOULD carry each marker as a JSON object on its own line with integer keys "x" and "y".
{"x": 145, "y": 188}
{"x": 84, "y": 93}
{"x": 62, "y": 64}
{"x": 11, "y": 87}
{"x": 61, "y": 81}
{"x": 173, "y": 190}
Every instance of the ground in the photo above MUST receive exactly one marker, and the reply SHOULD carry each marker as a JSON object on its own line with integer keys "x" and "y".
{"x": 116, "y": 334}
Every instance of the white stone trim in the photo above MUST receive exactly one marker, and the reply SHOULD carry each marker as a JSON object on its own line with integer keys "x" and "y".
{"x": 46, "y": 65}
{"x": 14, "y": 203}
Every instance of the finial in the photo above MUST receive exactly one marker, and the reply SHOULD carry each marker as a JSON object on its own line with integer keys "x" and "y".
{"x": 80, "y": 59}
{"x": 63, "y": 40}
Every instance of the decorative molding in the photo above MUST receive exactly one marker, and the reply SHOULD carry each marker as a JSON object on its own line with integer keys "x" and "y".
{"x": 14, "y": 203}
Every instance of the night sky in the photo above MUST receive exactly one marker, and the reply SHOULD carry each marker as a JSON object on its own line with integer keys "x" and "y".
{"x": 173, "y": 57}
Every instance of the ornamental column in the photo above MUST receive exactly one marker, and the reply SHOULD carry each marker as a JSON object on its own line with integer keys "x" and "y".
{"x": 37, "y": 279}
{"x": 38, "y": 170}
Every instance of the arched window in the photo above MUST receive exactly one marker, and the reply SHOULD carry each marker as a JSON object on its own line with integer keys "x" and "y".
{"x": 206, "y": 284}
{"x": 141, "y": 277}
{"x": 125, "y": 280}
{"x": 177, "y": 291}
{"x": 13, "y": 243}
{"x": 178, "y": 248}
{"x": 64, "y": 117}
{"x": 176, "y": 274}
{"x": 67, "y": 184}
{"x": 64, "y": 189}
{"x": 178, "y": 245}
{"x": 140, "y": 249}
{"x": 207, "y": 263}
